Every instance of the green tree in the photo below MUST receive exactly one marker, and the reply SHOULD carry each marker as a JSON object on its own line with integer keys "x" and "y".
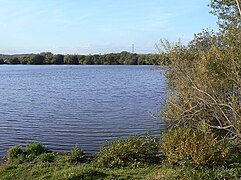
{"x": 228, "y": 13}
{"x": 204, "y": 41}
{"x": 25, "y": 59}
{"x": 88, "y": 60}
{"x": 204, "y": 78}
{"x": 58, "y": 59}
{"x": 13, "y": 60}
{"x": 71, "y": 59}
{"x": 131, "y": 59}
{"x": 123, "y": 56}
{"x": 142, "y": 60}
{"x": 81, "y": 59}
{"x": 97, "y": 59}
{"x": 48, "y": 57}
{"x": 37, "y": 59}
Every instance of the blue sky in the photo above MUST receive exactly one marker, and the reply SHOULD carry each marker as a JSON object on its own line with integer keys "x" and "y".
{"x": 98, "y": 26}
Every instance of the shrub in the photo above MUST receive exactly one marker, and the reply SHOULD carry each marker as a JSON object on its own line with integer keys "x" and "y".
{"x": 14, "y": 152}
{"x": 46, "y": 157}
{"x": 132, "y": 151}
{"x": 77, "y": 154}
{"x": 34, "y": 150}
{"x": 185, "y": 145}
{"x": 204, "y": 82}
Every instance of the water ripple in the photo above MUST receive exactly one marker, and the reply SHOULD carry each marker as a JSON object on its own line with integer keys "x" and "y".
{"x": 87, "y": 105}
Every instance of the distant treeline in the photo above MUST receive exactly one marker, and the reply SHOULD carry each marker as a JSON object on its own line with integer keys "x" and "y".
{"x": 123, "y": 58}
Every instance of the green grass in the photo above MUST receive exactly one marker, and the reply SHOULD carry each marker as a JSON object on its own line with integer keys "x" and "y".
{"x": 62, "y": 169}
{"x": 38, "y": 162}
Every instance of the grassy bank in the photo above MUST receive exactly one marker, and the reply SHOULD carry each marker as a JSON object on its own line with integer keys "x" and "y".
{"x": 61, "y": 168}
{"x": 38, "y": 162}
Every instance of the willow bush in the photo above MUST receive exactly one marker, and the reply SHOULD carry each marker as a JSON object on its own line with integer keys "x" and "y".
{"x": 14, "y": 152}
{"x": 133, "y": 152}
{"x": 186, "y": 146}
{"x": 76, "y": 154}
{"x": 204, "y": 81}
{"x": 206, "y": 88}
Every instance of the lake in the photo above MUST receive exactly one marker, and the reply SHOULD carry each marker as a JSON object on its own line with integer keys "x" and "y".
{"x": 65, "y": 105}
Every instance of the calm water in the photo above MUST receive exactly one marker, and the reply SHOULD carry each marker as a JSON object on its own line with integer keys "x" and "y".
{"x": 86, "y": 105}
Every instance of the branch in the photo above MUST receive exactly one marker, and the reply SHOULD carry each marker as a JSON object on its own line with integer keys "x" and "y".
{"x": 238, "y": 7}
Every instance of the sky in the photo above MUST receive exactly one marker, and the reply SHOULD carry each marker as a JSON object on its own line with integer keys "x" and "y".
{"x": 98, "y": 26}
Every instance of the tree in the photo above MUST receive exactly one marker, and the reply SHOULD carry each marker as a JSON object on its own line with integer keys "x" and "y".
{"x": 58, "y": 59}
{"x": 142, "y": 60}
{"x": 25, "y": 59}
{"x": 228, "y": 13}
{"x": 204, "y": 41}
{"x": 88, "y": 60}
{"x": 1, "y": 61}
{"x": 81, "y": 59}
{"x": 97, "y": 59}
{"x": 131, "y": 59}
{"x": 71, "y": 59}
{"x": 37, "y": 59}
{"x": 48, "y": 57}
{"x": 204, "y": 78}
{"x": 13, "y": 60}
